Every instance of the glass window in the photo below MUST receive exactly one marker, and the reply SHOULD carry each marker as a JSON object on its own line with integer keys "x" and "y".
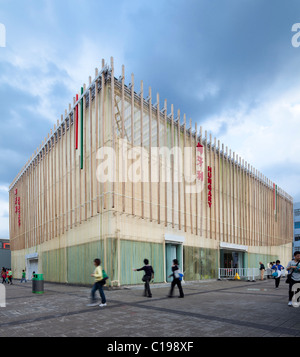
{"x": 297, "y": 212}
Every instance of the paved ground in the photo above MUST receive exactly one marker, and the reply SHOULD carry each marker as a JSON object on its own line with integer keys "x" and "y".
{"x": 212, "y": 308}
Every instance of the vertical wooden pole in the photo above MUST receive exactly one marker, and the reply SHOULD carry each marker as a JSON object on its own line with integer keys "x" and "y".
{"x": 63, "y": 167}
{"x": 184, "y": 182}
{"x": 76, "y": 190}
{"x": 172, "y": 146}
{"x": 142, "y": 146}
{"x": 91, "y": 173}
{"x": 71, "y": 129}
{"x": 85, "y": 186}
{"x": 166, "y": 164}
{"x": 196, "y": 194}
{"x": 66, "y": 171}
{"x": 179, "y": 168}
{"x": 132, "y": 142}
{"x": 96, "y": 140}
{"x": 150, "y": 153}
{"x": 158, "y": 158}
{"x": 103, "y": 126}
{"x": 113, "y": 126}
{"x": 123, "y": 137}
{"x": 191, "y": 174}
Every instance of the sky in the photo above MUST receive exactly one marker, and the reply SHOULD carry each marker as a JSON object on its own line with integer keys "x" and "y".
{"x": 230, "y": 65}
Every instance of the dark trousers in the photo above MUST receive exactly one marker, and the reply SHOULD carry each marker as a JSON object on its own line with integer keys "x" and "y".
{"x": 177, "y": 282}
{"x": 98, "y": 286}
{"x": 277, "y": 282}
{"x": 147, "y": 291}
{"x": 291, "y": 293}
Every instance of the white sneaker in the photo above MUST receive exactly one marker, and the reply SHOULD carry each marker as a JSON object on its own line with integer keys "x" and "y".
{"x": 101, "y": 305}
{"x": 290, "y": 303}
{"x": 295, "y": 304}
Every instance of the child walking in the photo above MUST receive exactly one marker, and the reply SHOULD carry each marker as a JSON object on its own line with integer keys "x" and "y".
{"x": 23, "y": 277}
{"x": 98, "y": 285}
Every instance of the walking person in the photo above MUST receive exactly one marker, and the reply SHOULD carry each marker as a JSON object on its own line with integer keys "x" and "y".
{"x": 269, "y": 270}
{"x": 293, "y": 278}
{"x": 277, "y": 273}
{"x": 23, "y": 277}
{"x": 9, "y": 276}
{"x": 262, "y": 270}
{"x": 149, "y": 274}
{"x": 98, "y": 285}
{"x": 177, "y": 276}
{"x": 3, "y": 275}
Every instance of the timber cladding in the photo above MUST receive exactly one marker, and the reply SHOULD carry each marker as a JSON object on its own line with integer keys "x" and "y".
{"x": 59, "y": 191}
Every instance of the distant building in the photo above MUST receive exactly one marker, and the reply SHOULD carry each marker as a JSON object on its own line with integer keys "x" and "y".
{"x": 5, "y": 254}
{"x": 296, "y": 243}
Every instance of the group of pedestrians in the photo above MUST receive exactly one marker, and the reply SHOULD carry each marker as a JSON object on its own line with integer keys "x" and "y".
{"x": 101, "y": 277}
{"x": 7, "y": 276}
{"x": 292, "y": 278}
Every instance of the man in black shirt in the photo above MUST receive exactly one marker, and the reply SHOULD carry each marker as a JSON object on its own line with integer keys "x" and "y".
{"x": 149, "y": 274}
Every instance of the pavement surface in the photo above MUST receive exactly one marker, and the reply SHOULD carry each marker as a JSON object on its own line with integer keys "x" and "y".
{"x": 209, "y": 309}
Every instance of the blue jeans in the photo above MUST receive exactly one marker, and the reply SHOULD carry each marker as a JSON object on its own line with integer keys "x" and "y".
{"x": 97, "y": 286}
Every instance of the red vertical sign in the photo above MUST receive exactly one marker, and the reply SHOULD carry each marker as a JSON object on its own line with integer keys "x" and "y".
{"x": 209, "y": 185}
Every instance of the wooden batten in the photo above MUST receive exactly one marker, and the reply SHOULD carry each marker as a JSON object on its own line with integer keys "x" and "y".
{"x": 132, "y": 143}
{"x": 158, "y": 158}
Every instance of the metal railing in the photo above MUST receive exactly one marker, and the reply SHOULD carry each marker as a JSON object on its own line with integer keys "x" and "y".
{"x": 244, "y": 273}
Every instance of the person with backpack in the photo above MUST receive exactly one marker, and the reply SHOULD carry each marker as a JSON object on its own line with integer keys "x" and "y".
{"x": 177, "y": 277}
{"x": 293, "y": 278}
{"x": 149, "y": 274}
{"x": 100, "y": 280}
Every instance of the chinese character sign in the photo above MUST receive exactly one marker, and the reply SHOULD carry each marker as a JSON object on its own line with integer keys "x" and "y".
{"x": 209, "y": 185}
{"x": 18, "y": 206}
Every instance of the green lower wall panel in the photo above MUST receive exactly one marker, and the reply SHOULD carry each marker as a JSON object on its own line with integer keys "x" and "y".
{"x": 200, "y": 263}
{"x": 133, "y": 254}
{"x": 252, "y": 259}
{"x": 72, "y": 265}
{"x": 75, "y": 264}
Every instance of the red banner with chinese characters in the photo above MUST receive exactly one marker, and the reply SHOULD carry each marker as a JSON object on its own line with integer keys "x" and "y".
{"x": 18, "y": 206}
{"x": 209, "y": 185}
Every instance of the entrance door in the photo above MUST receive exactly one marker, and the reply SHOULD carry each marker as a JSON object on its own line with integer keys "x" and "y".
{"x": 171, "y": 253}
{"x": 32, "y": 266}
{"x": 230, "y": 259}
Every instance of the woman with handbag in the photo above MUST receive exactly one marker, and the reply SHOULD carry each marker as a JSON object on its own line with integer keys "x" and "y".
{"x": 177, "y": 277}
{"x": 293, "y": 278}
{"x": 149, "y": 274}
